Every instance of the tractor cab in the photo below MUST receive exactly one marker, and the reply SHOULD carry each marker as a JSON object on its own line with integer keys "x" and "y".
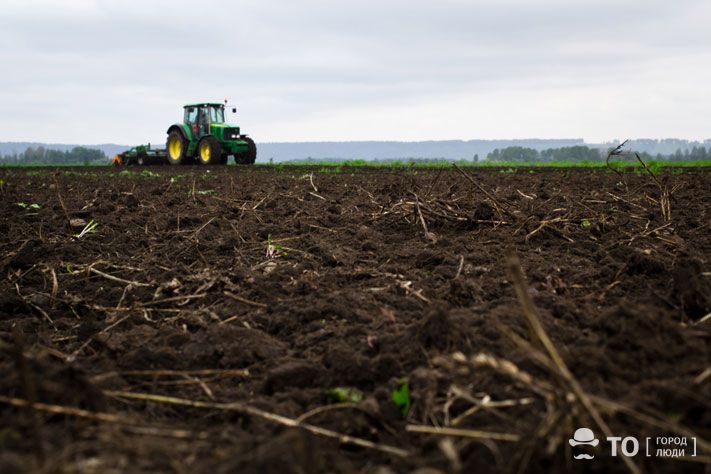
{"x": 200, "y": 118}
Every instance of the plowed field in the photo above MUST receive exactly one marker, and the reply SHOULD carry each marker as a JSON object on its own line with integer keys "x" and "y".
{"x": 275, "y": 320}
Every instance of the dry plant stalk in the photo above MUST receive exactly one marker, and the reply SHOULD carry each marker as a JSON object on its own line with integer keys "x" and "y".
{"x": 234, "y": 407}
{"x": 664, "y": 192}
{"x": 542, "y": 351}
{"x": 244, "y": 300}
{"x": 428, "y": 235}
{"x": 61, "y": 202}
{"x": 464, "y": 433}
{"x": 510, "y": 369}
{"x": 104, "y": 418}
{"x": 500, "y": 210}
{"x": 540, "y": 338}
{"x": 265, "y": 415}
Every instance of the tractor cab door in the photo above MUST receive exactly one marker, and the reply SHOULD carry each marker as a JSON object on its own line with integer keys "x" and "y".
{"x": 191, "y": 120}
{"x": 203, "y": 122}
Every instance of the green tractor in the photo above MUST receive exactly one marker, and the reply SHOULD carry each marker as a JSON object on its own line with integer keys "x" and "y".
{"x": 202, "y": 138}
{"x": 205, "y": 138}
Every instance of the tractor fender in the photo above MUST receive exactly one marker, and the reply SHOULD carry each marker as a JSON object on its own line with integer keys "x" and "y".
{"x": 184, "y": 130}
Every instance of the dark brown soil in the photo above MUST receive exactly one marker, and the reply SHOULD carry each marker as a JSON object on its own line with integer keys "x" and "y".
{"x": 174, "y": 295}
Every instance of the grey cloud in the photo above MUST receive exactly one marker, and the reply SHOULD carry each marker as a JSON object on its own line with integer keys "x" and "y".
{"x": 304, "y": 59}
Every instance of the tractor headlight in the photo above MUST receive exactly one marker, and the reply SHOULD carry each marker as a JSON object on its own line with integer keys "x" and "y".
{"x": 232, "y": 133}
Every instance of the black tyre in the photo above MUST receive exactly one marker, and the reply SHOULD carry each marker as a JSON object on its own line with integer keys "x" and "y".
{"x": 176, "y": 148}
{"x": 209, "y": 151}
{"x": 248, "y": 157}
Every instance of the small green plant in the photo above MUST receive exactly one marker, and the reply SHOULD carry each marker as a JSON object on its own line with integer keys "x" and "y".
{"x": 274, "y": 250}
{"x": 90, "y": 228}
{"x": 344, "y": 395}
{"x": 401, "y": 397}
{"x": 37, "y": 173}
{"x": 618, "y": 166}
{"x": 676, "y": 417}
{"x": 143, "y": 174}
{"x": 25, "y": 205}
{"x": 585, "y": 223}
{"x": 334, "y": 169}
{"x": 655, "y": 167}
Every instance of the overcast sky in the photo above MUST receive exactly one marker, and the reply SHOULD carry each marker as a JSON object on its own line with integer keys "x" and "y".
{"x": 95, "y": 71}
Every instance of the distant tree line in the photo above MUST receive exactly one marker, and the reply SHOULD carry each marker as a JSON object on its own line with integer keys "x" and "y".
{"x": 42, "y": 155}
{"x": 576, "y": 153}
{"x": 696, "y": 153}
{"x": 584, "y": 153}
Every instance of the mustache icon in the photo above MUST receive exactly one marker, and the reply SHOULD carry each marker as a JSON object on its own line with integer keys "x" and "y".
{"x": 584, "y": 456}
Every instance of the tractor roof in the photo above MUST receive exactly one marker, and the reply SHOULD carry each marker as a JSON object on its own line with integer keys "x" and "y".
{"x": 204, "y": 104}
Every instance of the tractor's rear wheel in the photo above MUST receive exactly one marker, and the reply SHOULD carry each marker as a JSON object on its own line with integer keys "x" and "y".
{"x": 209, "y": 151}
{"x": 176, "y": 148}
{"x": 248, "y": 157}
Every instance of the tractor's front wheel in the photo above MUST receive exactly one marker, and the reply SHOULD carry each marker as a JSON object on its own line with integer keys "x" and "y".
{"x": 176, "y": 148}
{"x": 209, "y": 151}
{"x": 248, "y": 157}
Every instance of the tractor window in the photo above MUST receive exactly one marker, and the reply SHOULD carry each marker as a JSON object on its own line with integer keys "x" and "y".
{"x": 191, "y": 115}
{"x": 217, "y": 115}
